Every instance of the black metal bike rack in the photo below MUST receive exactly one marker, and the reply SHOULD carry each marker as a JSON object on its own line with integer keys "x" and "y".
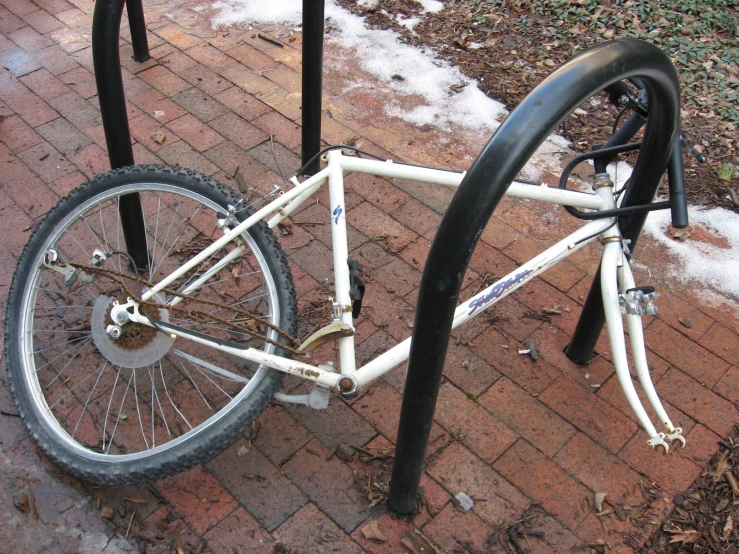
{"x": 479, "y": 193}
{"x": 312, "y": 82}
{"x": 106, "y": 27}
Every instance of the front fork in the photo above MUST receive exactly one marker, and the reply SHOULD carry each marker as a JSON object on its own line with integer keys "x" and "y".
{"x": 617, "y": 282}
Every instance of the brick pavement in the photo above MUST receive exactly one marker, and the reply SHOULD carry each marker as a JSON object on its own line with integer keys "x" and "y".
{"x": 513, "y": 434}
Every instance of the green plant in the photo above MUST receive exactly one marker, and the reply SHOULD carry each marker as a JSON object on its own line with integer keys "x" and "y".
{"x": 725, "y": 172}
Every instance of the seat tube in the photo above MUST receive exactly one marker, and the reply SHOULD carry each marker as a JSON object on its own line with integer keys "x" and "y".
{"x": 341, "y": 255}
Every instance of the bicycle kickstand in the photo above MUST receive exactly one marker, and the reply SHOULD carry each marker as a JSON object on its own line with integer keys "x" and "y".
{"x": 633, "y": 302}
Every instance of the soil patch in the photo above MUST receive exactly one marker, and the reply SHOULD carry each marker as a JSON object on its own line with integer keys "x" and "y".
{"x": 509, "y": 47}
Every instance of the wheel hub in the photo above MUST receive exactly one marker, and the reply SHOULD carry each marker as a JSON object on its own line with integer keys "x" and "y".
{"x": 138, "y": 345}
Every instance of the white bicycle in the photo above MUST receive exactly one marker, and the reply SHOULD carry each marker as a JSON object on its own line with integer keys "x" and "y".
{"x": 126, "y": 375}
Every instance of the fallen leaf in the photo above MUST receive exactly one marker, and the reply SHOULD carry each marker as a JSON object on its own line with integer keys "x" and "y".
{"x": 680, "y": 234}
{"x": 107, "y": 512}
{"x": 599, "y": 498}
{"x": 686, "y": 537}
{"x": 372, "y": 532}
{"x": 23, "y": 504}
{"x": 722, "y": 466}
{"x": 469, "y": 366}
{"x": 158, "y": 136}
{"x": 417, "y": 543}
{"x": 728, "y": 529}
{"x": 687, "y": 322}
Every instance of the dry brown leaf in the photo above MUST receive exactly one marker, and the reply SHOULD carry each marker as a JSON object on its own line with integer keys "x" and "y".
{"x": 680, "y": 234}
{"x": 159, "y": 136}
{"x": 686, "y": 322}
{"x": 722, "y": 466}
{"x": 686, "y": 537}
{"x": 372, "y": 532}
{"x": 728, "y": 529}
{"x": 23, "y": 504}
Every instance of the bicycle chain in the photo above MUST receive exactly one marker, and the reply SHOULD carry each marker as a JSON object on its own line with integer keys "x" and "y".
{"x": 196, "y": 315}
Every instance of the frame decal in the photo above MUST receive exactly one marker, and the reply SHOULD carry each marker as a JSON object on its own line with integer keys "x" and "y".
{"x": 497, "y": 291}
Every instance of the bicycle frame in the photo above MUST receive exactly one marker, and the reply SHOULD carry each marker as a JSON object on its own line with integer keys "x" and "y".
{"x": 350, "y": 380}
{"x": 338, "y": 164}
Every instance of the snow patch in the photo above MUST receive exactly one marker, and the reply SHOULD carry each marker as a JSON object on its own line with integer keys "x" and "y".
{"x": 698, "y": 261}
{"x": 409, "y": 23}
{"x": 252, "y": 11}
{"x": 431, "y": 6}
{"x": 381, "y": 54}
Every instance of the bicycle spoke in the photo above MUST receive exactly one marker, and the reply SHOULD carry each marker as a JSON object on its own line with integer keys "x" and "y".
{"x": 166, "y": 391}
{"x": 156, "y": 235}
{"x": 84, "y": 250}
{"x": 194, "y": 384}
{"x": 120, "y": 412}
{"x": 71, "y": 390}
{"x": 65, "y": 341}
{"x": 138, "y": 411}
{"x": 110, "y": 403}
{"x": 177, "y": 238}
{"x": 89, "y": 396}
{"x": 197, "y": 362}
{"x": 159, "y": 403}
{"x": 59, "y": 356}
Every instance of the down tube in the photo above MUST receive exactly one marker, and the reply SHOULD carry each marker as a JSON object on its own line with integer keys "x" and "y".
{"x": 477, "y": 304}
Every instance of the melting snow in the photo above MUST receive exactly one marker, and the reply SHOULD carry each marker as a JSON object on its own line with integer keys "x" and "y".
{"x": 700, "y": 261}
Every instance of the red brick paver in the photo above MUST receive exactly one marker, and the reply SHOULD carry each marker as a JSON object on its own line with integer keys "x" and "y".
{"x": 518, "y": 436}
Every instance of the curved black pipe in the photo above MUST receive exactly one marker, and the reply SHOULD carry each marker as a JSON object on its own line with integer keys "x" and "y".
{"x": 106, "y": 59}
{"x": 106, "y": 27}
{"x": 478, "y": 195}
{"x": 137, "y": 24}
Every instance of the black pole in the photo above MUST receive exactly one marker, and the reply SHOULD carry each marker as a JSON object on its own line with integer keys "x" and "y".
{"x": 137, "y": 25}
{"x": 478, "y": 195}
{"x": 106, "y": 25}
{"x": 313, "y": 16}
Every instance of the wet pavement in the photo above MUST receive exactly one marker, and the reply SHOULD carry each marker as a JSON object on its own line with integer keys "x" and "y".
{"x": 513, "y": 434}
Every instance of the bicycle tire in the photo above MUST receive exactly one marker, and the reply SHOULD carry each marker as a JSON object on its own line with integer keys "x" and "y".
{"x": 173, "y": 408}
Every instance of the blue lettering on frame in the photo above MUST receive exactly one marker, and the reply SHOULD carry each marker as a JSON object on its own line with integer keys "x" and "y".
{"x": 497, "y": 291}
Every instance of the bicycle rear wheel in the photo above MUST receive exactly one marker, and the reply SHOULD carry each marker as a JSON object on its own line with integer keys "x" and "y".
{"x": 142, "y": 406}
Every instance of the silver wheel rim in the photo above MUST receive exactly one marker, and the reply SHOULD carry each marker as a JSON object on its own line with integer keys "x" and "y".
{"x": 26, "y": 342}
